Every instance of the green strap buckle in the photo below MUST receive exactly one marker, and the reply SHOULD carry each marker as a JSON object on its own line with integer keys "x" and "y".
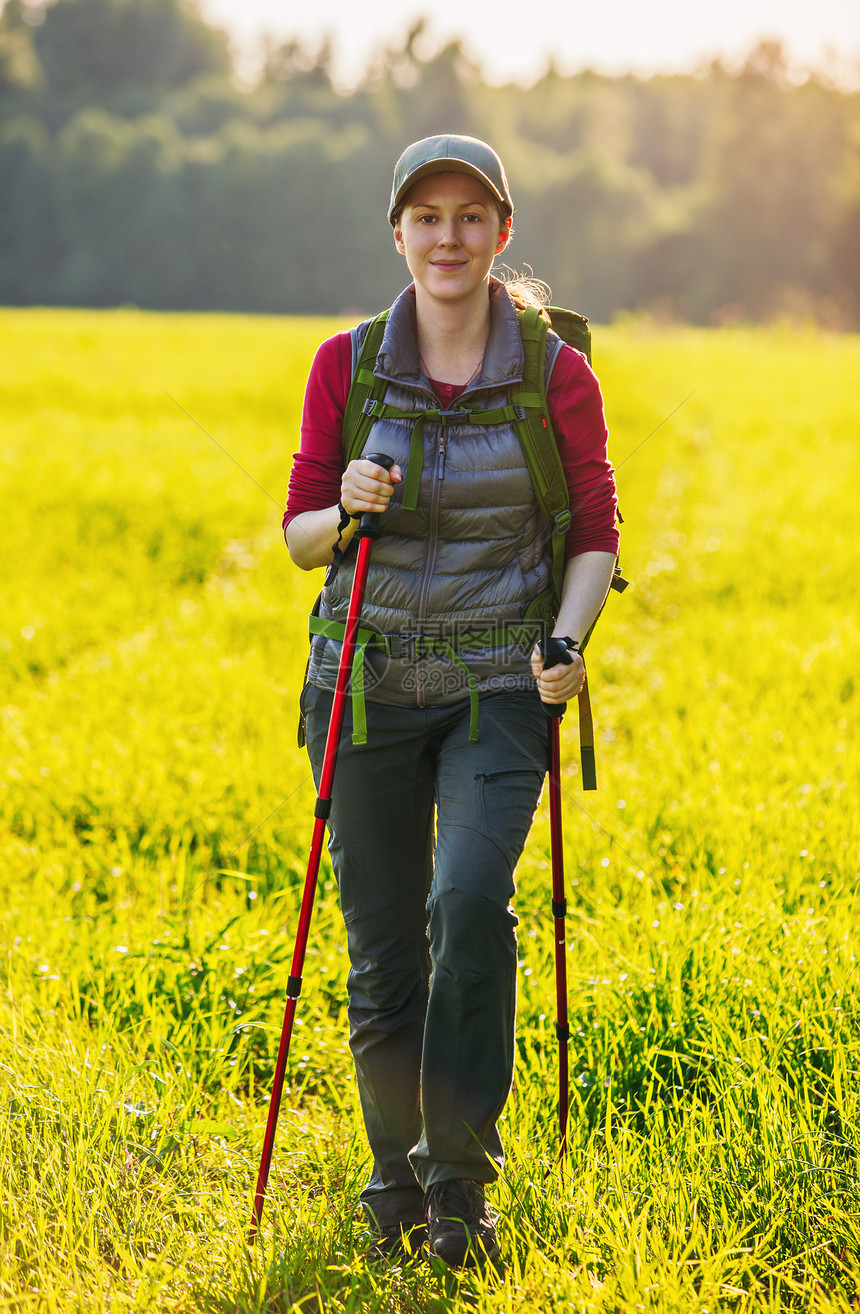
{"x": 398, "y": 646}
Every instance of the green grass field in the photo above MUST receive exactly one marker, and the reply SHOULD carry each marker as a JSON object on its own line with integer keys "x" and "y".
{"x": 155, "y": 816}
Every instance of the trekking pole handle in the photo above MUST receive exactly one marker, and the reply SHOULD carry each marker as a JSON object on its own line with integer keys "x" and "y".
{"x": 555, "y": 652}
{"x": 369, "y": 526}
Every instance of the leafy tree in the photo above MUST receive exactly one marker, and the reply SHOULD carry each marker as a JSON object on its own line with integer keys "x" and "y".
{"x": 771, "y": 185}
{"x": 20, "y": 71}
{"x": 27, "y": 228}
{"x": 101, "y": 47}
{"x": 134, "y": 167}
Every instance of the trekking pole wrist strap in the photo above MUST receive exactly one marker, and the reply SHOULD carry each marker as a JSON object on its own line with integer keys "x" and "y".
{"x": 343, "y": 522}
{"x": 573, "y": 645}
{"x": 336, "y": 549}
{"x": 345, "y": 517}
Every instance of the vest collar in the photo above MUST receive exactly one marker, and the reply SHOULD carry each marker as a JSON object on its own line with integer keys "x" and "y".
{"x": 503, "y": 362}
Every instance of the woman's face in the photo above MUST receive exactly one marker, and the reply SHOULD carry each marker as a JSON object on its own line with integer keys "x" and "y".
{"x": 449, "y": 230}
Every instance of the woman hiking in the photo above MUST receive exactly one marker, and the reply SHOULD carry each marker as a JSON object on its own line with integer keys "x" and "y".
{"x": 431, "y": 811}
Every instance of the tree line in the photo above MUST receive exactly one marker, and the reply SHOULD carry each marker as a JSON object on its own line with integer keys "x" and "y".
{"x": 136, "y": 168}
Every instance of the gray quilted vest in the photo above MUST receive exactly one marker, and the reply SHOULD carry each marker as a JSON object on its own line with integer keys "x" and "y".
{"x": 476, "y": 552}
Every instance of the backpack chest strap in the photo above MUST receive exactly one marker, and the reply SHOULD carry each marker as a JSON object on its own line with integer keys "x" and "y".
{"x": 373, "y": 409}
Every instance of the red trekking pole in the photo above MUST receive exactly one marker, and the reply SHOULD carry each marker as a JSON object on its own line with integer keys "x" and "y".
{"x": 556, "y": 651}
{"x": 367, "y": 531}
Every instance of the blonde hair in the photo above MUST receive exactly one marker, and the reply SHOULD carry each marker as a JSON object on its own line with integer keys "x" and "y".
{"x": 525, "y": 290}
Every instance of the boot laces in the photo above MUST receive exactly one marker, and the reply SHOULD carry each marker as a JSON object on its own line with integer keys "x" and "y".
{"x": 458, "y": 1198}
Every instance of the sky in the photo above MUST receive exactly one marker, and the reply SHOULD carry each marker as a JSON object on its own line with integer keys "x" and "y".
{"x": 514, "y": 39}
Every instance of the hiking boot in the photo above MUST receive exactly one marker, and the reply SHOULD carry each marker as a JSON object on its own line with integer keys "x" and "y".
{"x": 460, "y": 1224}
{"x": 397, "y": 1243}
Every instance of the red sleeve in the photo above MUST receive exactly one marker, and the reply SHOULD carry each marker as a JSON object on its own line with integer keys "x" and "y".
{"x": 318, "y": 464}
{"x": 576, "y": 412}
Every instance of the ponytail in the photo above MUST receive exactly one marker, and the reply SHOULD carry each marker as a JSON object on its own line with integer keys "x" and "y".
{"x": 525, "y": 291}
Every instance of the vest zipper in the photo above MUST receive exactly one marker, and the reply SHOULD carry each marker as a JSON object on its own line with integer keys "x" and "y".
{"x": 432, "y": 547}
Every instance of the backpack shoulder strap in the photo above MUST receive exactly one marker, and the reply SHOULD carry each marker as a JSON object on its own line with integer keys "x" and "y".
{"x": 575, "y": 331}
{"x": 537, "y": 440}
{"x": 365, "y": 386}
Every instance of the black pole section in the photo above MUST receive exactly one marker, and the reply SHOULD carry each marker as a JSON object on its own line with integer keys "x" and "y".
{"x": 369, "y": 524}
{"x": 555, "y": 652}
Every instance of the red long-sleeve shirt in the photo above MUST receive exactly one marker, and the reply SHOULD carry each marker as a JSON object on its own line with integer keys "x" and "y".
{"x": 575, "y": 411}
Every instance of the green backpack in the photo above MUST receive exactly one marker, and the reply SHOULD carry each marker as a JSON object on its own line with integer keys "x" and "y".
{"x": 527, "y": 411}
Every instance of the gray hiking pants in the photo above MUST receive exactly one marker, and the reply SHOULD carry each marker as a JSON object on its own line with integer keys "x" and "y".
{"x": 431, "y": 939}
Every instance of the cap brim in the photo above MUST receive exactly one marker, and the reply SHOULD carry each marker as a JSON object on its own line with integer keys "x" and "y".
{"x": 445, "y": 166}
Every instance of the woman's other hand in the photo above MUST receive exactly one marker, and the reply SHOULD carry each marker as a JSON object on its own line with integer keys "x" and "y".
{"x": 366, "y": 486}
{"x": 558, "y": 684}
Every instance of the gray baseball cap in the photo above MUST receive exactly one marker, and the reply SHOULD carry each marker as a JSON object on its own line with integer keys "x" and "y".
{"x": 449, "y": 154}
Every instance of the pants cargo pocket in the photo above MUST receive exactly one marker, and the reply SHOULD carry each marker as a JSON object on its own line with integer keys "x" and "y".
{"x": 505, "y": 803}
